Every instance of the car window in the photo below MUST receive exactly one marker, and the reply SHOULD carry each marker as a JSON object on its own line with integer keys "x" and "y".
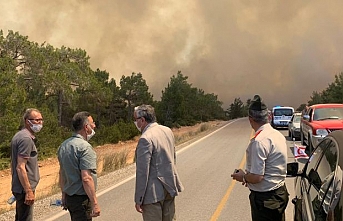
{"x": 328, "y": 113}
{"x": 281, "y": 112}
{"x": 320, "y": 174}
{"x": 296, "y": 119}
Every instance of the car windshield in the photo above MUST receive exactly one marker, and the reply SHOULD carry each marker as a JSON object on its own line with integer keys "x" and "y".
{"x": 283, "y": 112}
{"x": 328, "y": 113}
{"x": 297, "y": 119}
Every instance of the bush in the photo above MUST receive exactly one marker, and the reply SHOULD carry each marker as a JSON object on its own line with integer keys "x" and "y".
{"x": 204, "y": 127}
{"x": 5, "y": 163}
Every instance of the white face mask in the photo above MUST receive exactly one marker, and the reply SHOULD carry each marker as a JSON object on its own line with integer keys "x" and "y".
{"x": 140, "y": 130}
{"x": 35, "y": 127}
{"x": 89, "y": 136}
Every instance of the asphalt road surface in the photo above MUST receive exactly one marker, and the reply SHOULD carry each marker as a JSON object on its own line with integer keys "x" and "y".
{"x": 204, "y": 167}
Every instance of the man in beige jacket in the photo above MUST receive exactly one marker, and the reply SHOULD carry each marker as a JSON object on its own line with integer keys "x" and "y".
{"x": 157, "y": 181}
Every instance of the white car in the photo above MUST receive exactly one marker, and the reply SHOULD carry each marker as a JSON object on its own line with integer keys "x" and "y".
{"x": 281, "y": 116}
{"x": 294, "y": 126}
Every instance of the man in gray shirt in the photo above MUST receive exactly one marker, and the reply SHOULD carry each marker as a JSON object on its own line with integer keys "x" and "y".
{"x": 77, "y": 177}
{"x": 24, "y": 164}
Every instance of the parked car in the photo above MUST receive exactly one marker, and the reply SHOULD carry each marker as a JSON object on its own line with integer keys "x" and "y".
{"x": 318, "y": 121}
{"x": 281, "y": 116}
{"x": 318, "y": 185}
{"x": 294, "y": 126}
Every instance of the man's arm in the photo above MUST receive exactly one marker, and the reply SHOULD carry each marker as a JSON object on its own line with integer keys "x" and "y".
{"x": 243, "y": 177}
{"x": 24, "y": 180}
{"x": 61, "y": 184}
{"x": 60, "y": 180}
{"x": 88, "y": 185}
{"x": 252, "y": 178}
{"x": 143, "y": 158}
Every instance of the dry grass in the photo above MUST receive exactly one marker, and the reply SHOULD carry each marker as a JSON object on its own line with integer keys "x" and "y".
{"x": 186, "y": 136}
{"x": 112, "y": 161}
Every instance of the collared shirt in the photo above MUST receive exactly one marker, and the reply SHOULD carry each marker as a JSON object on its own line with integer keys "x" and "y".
{"x": 266, "y": 155}
{"x": 76, "y": 154}
{"x": 23, "y": 145}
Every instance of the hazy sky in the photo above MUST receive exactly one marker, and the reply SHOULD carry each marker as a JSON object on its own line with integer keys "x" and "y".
{"x": 282, "y": 50}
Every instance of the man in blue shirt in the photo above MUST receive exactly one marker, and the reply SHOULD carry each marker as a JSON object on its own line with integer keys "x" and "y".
{"x": 78, "y": 178}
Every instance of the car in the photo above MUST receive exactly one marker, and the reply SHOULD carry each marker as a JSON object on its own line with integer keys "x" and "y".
{"x": 294, "y": 126}
{"x": 318, "y": 121}
{"x": 281, "y": 116}
{"x": 318, "y": 186}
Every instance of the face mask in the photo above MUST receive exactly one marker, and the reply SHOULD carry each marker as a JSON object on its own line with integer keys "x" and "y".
{"x": 35, "y": 127}
{"x": 140, "y": 130}
{"x": 89, "y": 136}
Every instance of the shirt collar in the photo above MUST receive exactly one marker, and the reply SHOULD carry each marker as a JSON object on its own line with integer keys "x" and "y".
{"x": 29, "y": 133}
{"x": 260, "y": 129}
{"x": 78, "y": 135}
{"x": 147, "y": 126}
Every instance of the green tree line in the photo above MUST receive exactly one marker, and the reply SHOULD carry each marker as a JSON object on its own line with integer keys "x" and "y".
{"x": 331, "y": 94}
{"x": 60, "y": 82}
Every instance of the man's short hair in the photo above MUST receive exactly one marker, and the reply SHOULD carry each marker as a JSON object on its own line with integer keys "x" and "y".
{"x": 79, "y": 120}
{"x": 259, "y": 116}
{"x": 146, "y": 111}
{"x": 28, "y": 112}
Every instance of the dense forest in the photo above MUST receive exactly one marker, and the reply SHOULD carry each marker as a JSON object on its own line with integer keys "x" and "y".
{"x": 60, "y": 82}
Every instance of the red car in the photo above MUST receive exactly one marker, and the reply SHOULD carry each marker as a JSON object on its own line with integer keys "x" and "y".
{"x": 318, "y": 121}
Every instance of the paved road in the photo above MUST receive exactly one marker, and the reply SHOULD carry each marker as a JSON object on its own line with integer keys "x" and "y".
{"x": 204, "y": 167}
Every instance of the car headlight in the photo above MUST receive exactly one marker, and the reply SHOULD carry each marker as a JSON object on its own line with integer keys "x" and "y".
{"x": 322, "y": 132}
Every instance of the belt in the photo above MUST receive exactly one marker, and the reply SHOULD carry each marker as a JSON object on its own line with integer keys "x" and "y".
{"x": 74, "y": 195}
{"x": 270, "y": 191}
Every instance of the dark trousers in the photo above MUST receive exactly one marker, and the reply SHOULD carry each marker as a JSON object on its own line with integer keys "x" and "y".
{"x": 23, "y": 212}
{"x": 269, "y": 206}
{"x": 79, "y": 207}
{"x": 163, "y": 210}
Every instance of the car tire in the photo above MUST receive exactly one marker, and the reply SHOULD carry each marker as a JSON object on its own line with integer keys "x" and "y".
{"x": 289, "y": 134}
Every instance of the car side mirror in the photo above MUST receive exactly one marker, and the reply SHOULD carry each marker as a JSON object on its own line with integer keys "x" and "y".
{"x": 306, "y": 117}
{"x": 292, "y": 169}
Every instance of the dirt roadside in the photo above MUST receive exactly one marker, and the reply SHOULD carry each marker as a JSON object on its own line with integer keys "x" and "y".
{"x": 49, "y": 168}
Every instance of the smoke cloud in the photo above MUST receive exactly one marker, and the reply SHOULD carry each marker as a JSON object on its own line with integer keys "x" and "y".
{"x": 282, "y": 50}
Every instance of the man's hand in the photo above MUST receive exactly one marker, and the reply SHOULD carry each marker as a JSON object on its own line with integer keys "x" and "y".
{"x": 95, "y": 210}
{"x": 238, "y": 176}
{"x": 139, "y": 208}
{"x": 29, "y": 198}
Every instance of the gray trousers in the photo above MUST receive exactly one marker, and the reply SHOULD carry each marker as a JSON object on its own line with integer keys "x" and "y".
{"x": 163, "y": 210}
